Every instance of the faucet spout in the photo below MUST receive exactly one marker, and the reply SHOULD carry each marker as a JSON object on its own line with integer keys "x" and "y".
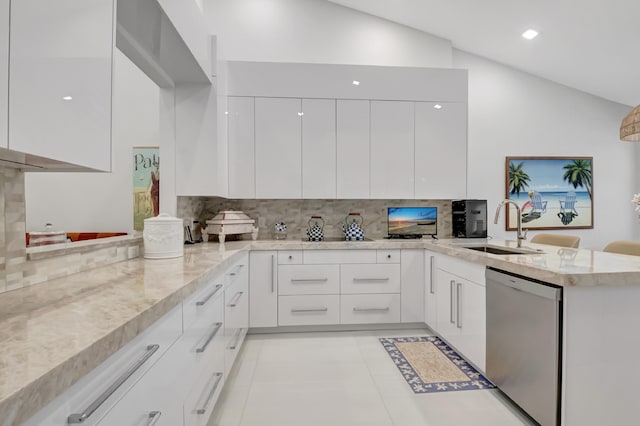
{"x": 520, "y": 236}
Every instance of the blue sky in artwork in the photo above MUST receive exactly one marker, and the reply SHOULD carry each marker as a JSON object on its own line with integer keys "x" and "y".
{"x": 546, "y": 175}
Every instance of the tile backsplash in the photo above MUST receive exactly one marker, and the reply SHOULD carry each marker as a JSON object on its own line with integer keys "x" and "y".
{"x": 16, "y": 271}
{"x": 296, "y": 214}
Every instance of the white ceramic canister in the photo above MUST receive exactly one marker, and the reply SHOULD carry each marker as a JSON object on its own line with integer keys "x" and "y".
{"x": 163, "y": 237}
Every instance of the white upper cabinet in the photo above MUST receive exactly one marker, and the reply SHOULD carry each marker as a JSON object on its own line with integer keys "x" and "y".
{"x": 352, "y": 149}
{"x": 240, "y": 128}
{"x": 392, "y": 164}
{"x": 60, "y": 80}
{"x": 319, "y": 148}
{"x": 201, "y": 156}
{"x": 4, "y": 72}
{"x": 278, "y": 147}
{"x": 440, "y": 150}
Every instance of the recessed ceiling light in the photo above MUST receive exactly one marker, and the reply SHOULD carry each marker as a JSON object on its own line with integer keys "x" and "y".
{"x": 356, "y": 83}
{"x": 67, "y": 98}
{"x": 226, "y": 113}
{"x": 530, "y": 34}
{"x": 437, "y": 106}
{"x": 300, "y": 114}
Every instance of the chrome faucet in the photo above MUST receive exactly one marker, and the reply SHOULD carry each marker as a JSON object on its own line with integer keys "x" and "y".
{"x": 521, "y": 236}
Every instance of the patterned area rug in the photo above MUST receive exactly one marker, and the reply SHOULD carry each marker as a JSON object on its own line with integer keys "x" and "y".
{"x": 429, "y": 365}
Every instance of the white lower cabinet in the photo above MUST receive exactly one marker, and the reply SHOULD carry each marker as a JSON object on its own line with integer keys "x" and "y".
{"x": 263, "y": 288}
{"x": 308, "y": 279}
{"x": 430, "y": 299}
{"x": 356, "y": 279}
{"x": 332, "y": 287}
{"x": 173, "y": 373}
{"x": 461, "y": 309}
{"x": 309, "y": 310}
{"x": 90, "y": 399}
{"x": 369, "y": 308}
{"x": 412, "y": 289}
{"x": 236, "y": 310}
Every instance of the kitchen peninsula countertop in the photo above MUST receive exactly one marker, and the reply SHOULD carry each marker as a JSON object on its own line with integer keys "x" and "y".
{"x": 52, "y": 334}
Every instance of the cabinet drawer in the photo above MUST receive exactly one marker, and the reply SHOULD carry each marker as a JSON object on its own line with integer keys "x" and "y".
{"x": 236, "y": 306}
{"x": 308, "y": 279}
{"x": 238, "y": 272}
{"x": 308, "y": 310}
{"x": 315, "y": 257}
{"x": 232, "y": 348}
{"x": 236, "y": 321}
{"x": 290, "y": 257}
{"x": 461, "y": 268}
{"x": 142, "y": 352}
{"x": 202, "y": 397}
{"x": 379, "y": 278}
{"x": 388, "y": 256}
{"x": 196, "y": 306}
{"x": 369, "y": 308}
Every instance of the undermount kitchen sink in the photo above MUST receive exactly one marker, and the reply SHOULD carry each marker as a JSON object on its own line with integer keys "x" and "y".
{"x": 503, "y": 250}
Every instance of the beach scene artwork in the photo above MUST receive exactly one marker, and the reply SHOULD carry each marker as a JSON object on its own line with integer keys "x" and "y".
{"x": 552, "y": 192}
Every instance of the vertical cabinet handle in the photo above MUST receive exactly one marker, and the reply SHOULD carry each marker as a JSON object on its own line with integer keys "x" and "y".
{"x": 458, "y": 291}
{"x": 77, "y": 418}
{"x": 273, "y": 270}
{"x": 154, "y": 416}
{"x": 452, "y": 285}
{"x": 431, "y": 287}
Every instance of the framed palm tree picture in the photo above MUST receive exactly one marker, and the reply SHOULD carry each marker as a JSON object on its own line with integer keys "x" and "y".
{"x": 552, "y": 192}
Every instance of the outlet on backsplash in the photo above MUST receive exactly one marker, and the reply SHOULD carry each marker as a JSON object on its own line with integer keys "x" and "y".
{"x": 296, "y": 213}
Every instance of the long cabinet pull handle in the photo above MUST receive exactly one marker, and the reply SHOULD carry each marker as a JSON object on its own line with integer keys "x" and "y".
{"x": 359, "y": 280}
{"x": 452, "y": 284}
{"x": 154, "y": 416}
{"x": 458, "y": 319}
{"x": 212, "y": 392}
{"x": 296, "y": 311}
{"x": 273, "y": 269}
{"x": 431, "y": 287}
{"x": 235, "y": 340}
{"x": 371, "y": 309}
{"x": 213, "y": 333}
{"x": 77, "y": 418}
{"x": 209, "y": 296}
{"x": 234, "y": 302}
{"x": 309, "y": 280}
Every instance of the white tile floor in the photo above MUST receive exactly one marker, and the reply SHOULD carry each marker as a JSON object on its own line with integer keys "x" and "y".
{"x": 342, "y": 379}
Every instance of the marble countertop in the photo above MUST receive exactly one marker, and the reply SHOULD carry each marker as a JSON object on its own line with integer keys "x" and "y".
{"x": 557, "y": 265}
{"x": 53, "y": 333}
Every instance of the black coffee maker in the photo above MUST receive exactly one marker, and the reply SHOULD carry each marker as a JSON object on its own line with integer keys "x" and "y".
{"x": 469, "y": 218}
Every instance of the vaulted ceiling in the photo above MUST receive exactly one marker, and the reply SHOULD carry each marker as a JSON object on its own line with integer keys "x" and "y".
{"x": 590, "y": 45}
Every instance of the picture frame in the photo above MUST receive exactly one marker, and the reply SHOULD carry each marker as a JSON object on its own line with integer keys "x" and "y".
{"x": 552, "y": 192}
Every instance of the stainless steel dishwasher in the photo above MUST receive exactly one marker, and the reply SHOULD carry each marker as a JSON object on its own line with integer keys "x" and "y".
{"x": 524, "y": 320}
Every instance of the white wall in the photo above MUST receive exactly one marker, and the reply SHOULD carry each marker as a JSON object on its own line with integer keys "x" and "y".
{"x": 319, "y": 32}
{"x": 512, "y": 113}
{"x": 143, "y": 115}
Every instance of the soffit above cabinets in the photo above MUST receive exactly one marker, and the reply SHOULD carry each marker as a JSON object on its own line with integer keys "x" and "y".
{"x": 299, "y": 80}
